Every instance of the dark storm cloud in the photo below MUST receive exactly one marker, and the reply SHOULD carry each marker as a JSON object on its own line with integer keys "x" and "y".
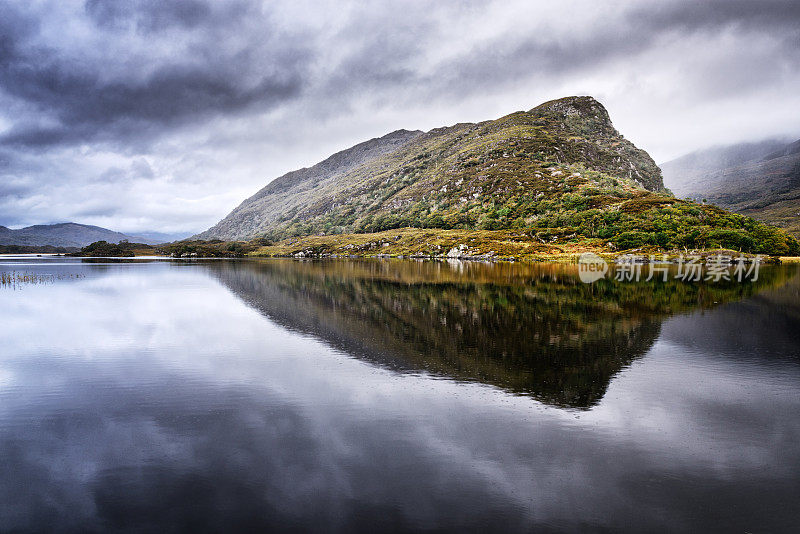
{"x": 715, "y": 14}
{"x": 86, "y": 106}
{"x": 739, "y": 71}
{"x": 168, "y": 98}
{"x": 148, "y": 15}
{"x": 139, "y": 169}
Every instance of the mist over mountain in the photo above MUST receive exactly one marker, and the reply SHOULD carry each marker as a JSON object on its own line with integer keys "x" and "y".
{"x": 155, "y": 238}
{"x": 761, "y": 180}
{"x": 681, "y": 174}
{"x": 786, "y": 150}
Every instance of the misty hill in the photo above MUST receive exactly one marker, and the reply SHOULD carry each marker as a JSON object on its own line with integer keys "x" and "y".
{"x": 762, "y": 180}
{"x": 156, "y": 238}
{"x": 447, "y": 177}
{"x": 787, "y": 150}
{"x": 682, "y": 173}
{"x": 66, "y": 235}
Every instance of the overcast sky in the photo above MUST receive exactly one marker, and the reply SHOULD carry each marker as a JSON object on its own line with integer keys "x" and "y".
{"x": 142, "y": 115}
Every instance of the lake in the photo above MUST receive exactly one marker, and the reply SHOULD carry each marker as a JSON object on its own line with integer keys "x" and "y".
{"x": 368, "y": 395}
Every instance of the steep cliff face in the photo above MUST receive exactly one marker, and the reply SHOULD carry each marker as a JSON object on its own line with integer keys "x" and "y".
{"x": 462, "y": 176}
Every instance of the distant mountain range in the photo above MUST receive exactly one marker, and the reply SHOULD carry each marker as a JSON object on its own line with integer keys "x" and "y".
{"x": 75, "y": 235}
{"x": 761, "y": 180}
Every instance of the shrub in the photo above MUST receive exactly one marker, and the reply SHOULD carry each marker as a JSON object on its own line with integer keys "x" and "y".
{"x": 729, "y": 238}
{"x": 627, "y": 240}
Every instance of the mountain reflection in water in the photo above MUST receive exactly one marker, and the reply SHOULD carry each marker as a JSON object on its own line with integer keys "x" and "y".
{"x": 530, "y": 329}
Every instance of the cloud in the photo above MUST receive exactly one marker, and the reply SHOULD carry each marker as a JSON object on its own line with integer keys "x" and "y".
{"x": 711, "y": 15}
{"x": 220, "y": 97}
{"x": 16, "y": 187}
{"x": 148, "y": 15}
{"x": 77, "y": 102}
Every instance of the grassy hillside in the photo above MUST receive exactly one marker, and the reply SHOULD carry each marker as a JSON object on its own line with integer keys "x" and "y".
{"x": 558, "y": 174}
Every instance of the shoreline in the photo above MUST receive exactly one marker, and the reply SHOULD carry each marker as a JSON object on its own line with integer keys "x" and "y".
{"x": 670, "y": 257}
{"x": 509, "y": 245}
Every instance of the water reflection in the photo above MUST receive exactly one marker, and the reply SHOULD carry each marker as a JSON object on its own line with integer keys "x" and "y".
{"x": 150, "y": 398}
{"x": 534, "y": 330}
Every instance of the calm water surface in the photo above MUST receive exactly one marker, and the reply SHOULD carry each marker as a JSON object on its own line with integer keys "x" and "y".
{"x": 380, "y": 396}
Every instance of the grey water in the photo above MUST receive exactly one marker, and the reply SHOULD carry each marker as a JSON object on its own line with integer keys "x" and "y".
{"x": 393, "y": 395}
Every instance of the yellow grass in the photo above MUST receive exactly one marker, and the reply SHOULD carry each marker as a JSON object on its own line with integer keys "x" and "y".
{"x": 415, "y": 242}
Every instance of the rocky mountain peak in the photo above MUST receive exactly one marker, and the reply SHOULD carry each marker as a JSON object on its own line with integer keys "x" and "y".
{"x": 572, "y": 105}
{"x": 457, "y": 176}
{"x": 581, "y": 113}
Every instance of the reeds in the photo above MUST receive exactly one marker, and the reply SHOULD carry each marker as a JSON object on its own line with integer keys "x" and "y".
{"x": 16, "y": 280}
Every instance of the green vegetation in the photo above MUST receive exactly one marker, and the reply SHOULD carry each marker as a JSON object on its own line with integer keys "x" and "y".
{"x": 215, "y": 248}
{"x": 782, "y": 213}
{"x": 518, "y": 172}
{"x": 123, "y": 249}
{"x": 572, "y": 206}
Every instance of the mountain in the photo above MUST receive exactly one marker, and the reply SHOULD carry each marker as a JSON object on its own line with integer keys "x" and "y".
{"x": 682, "y": 173}
{"x": 558, "y": 174}
{"x": 761, "y": 180}
{"x": 410, "y": 178}
{"x": 788, "y": 150}
{"x": 64, "y": 235}
{"x": 156, "y": 238}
